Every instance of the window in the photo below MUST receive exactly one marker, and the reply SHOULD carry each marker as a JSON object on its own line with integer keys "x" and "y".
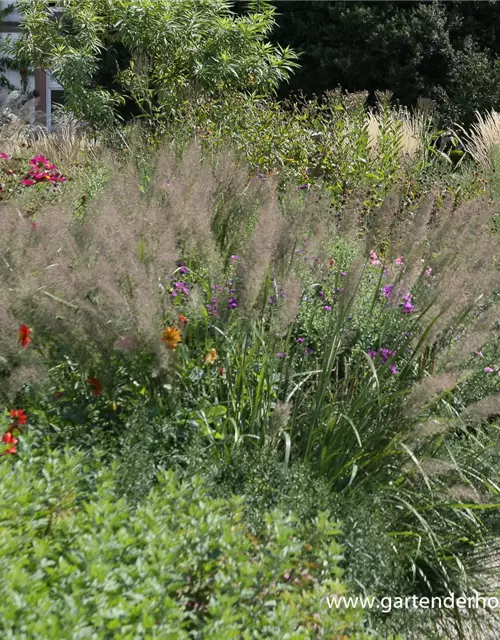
{"x": 55, "y": 96}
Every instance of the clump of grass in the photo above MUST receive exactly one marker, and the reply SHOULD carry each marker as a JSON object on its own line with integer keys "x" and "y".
{"x": 413, "y": 131}
{"x": 483, "y": 137}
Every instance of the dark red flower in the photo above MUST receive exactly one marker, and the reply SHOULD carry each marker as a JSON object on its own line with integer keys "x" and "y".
{"x": 96, "y": 386}
{"x": 24, "y": 333}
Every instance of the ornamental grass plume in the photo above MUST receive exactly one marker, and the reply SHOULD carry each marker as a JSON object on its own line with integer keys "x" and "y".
{"x": 260, "y": 251}
{"x": 483, "y": 137}
{"x": 289, "y": 308}
{"x": 425, "y": 391}
{"x": 483, "y": 409}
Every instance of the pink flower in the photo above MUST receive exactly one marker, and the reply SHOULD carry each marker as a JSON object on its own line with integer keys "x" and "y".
{"x": 399, "y": 260}
{"x": 374, "y": 258}
{"x": 428, "y": 271}
{"x": 489, "y": 370}
{"x": 26, "y": 182}
{"x": 4, "y": 156}
{"x": 37, "y": 160}
{"x": 479, "y": 354}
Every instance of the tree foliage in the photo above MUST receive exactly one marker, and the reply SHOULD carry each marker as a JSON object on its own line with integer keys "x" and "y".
{"x": 158, "y": 53}
{"x": 446, "y": 51}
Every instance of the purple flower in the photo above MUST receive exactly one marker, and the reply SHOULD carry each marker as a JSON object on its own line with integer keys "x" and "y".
{"x": 232, "y": 303}
{"x": 235, "y": 258}
{"x": 321, "y": 294}
{"x": 304, "y": 186}
{"x": 300, "y": 340}
{"x": 281, "y": 354}
{"x": 272, "y": 299}
{"x": 489, "y": 370}
{"x": 179, "y": 287}
{"x": 387, "y": 290}
{"x": 343, "y": 273}
{"x": 408, "y": 306}
{"x": 393, "y": 369}
{"x": 310, "y": 351}
{"x": 385, "y": 354}
{"x": 327, "y": 307}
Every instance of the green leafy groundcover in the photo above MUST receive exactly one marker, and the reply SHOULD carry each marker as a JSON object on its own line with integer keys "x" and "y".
{"x": 77, "y": 561}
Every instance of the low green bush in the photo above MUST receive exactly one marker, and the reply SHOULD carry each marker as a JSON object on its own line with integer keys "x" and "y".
{"x": 78, "y": 561}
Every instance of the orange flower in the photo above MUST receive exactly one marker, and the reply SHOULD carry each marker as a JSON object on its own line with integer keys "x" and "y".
{"x": 183, "y": 320}
{"x": 171, "y": 336}
{"x": 211, "y": 357}
{"x": 24, "y": 333}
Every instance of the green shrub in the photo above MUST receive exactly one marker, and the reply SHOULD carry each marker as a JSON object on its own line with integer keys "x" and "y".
{"x": 80, "y": 561}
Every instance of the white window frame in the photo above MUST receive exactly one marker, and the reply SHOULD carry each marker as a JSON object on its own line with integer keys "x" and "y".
{"x": 51, "y": 85}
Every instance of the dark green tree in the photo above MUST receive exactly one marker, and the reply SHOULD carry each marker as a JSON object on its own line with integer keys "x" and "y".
{"x": 446, "y": 51}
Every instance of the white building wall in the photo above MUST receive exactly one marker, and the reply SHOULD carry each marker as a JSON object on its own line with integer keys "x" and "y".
{"x": 10, "y": 27}
{"x": 14, "y": 16}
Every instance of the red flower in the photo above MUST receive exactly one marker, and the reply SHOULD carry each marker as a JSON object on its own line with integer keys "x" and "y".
{"x": 96, "y": 386}
{"x": 24, "y": 333}
{"x": 182, "y": 319}
{"x": 8, "y": 438}
{"x": 222, "y": 371}
{"x": 12, "y": 450}
{"x": 18, "y": 416}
